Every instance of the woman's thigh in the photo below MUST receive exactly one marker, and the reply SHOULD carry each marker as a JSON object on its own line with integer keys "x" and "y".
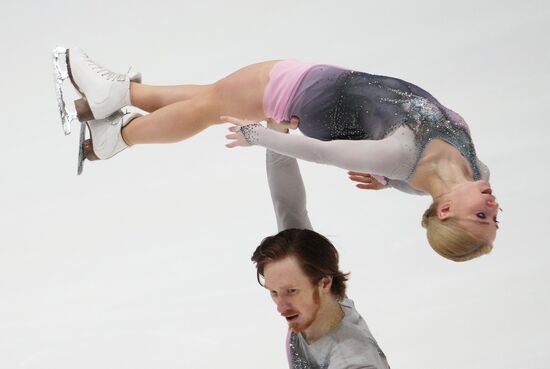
{"x": 240, "y": 94}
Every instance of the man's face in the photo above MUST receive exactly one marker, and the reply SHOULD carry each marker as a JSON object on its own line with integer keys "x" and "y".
{"x": 297, "y": 299}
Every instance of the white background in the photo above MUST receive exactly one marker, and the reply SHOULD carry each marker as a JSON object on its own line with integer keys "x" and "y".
{"x": 143, "y": 261}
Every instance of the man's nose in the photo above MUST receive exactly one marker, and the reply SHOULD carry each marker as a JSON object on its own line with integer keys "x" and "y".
{"x": 282, "y": 305}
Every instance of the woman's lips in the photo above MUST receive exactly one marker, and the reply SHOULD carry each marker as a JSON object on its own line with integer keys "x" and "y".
{"x": 487, "y": 191}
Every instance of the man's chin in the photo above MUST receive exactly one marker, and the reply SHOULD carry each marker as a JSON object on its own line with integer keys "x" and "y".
{"x": 297, "y": 327}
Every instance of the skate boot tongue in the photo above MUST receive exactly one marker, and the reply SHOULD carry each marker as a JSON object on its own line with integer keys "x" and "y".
{"x": 106, "y": 73}
{"x": 134, "y": 77}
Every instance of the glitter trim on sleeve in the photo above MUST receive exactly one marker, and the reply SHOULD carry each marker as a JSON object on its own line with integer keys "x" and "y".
{"x": 250, "y": 132}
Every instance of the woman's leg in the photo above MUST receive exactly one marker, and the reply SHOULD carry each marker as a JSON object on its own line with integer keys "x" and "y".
{"x": 240, "y": 94}
{"x": 151, "y": 98}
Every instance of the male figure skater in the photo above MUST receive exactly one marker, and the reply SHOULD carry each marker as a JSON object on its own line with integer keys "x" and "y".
{"x": 300, "y": 269}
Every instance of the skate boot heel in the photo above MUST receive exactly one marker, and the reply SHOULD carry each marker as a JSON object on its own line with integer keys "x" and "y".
{"x": 88, "y": 149}
{"x": 83, "y": 110}
{"x": 105, "y": 139}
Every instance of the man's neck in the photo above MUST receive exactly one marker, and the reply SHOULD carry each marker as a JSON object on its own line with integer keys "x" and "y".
{"x": 329, "y": 317}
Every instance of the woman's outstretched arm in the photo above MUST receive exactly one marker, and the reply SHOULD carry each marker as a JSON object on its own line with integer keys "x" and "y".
{"x": 390, "y": 157}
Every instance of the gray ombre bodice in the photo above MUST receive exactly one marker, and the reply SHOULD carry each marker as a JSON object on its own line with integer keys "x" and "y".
{"x": 336, "y": 104}
{"x": 430, "y": 120}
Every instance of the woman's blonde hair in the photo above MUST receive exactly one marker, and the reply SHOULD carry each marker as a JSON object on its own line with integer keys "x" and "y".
{"x": 450, "y": 239}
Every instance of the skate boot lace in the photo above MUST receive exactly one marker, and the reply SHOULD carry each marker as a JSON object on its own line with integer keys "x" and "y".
{"x": 105, "y": 73}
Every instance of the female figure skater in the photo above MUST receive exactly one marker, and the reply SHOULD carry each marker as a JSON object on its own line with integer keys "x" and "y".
{"x": 357, "y": 121}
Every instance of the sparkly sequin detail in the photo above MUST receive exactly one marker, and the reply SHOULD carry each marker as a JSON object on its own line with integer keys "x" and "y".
{"x": 349, "y": 105}
{"x": 345, "y": 111}
{"x": 297, "y": 357}
{"x": 428, "y": 122}
{"x": 379, "y": 350}
{"x": 425, "y": 117}
{"x": 249, "y": 133}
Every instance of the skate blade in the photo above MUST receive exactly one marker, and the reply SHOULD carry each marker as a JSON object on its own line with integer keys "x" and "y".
{"x": 81, "y": 152}
{"x": 61, "y": 73}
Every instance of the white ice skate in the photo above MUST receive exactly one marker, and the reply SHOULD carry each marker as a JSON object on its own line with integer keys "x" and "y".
{"x": 106, "y": 136}
{"x": 103, "y": 91}
{"x": 99, "y": 92}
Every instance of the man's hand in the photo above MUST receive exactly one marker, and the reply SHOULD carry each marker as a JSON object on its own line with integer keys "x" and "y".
{"x": 366, "y": 181}
{"x": 284, "y": 126}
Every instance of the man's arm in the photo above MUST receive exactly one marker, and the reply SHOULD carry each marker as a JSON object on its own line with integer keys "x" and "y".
{"x": 286, "y": 186}
{"x": 287, "y": 191}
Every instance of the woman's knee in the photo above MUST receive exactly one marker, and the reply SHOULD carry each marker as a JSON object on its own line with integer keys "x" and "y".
{"x": 206, "y": 107}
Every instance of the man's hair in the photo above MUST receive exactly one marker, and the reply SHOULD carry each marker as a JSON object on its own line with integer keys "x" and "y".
{"x": 450, "y": 239}
{"x": 315, "y": 253}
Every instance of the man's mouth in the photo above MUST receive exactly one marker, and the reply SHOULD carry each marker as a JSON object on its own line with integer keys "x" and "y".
{"x": 291, "y": 318}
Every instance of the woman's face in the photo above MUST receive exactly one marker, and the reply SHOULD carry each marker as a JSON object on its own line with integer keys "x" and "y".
{"x": 475, "y": 208}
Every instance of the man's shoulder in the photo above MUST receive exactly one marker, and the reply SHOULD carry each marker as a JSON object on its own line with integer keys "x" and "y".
{"x": 353, "y": 345}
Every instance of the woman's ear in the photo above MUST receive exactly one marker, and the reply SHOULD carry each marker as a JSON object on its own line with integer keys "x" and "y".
{"x": 444, "y": 210}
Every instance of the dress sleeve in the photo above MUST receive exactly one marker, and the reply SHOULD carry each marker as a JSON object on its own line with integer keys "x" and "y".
{"x": 389, "y": 157}
{"x": 287, "y": 191}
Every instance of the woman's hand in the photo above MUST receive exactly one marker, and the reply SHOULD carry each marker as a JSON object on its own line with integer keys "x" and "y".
{"x": 366, "y": 181}
{"x": 236, "y": 138}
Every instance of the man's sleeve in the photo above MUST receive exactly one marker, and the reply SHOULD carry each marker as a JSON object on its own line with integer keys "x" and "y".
{"x": 287, "y": 191}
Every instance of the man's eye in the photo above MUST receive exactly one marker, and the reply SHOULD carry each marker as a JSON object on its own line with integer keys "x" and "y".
{"x": 480, "y": 215}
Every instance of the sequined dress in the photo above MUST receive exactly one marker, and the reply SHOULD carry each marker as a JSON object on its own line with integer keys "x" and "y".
{"x": 367, "y": 123}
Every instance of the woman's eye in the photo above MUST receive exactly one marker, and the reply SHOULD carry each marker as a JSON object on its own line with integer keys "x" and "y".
{"x": 480, "y": 215}
{"x": 291, "y": 291}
